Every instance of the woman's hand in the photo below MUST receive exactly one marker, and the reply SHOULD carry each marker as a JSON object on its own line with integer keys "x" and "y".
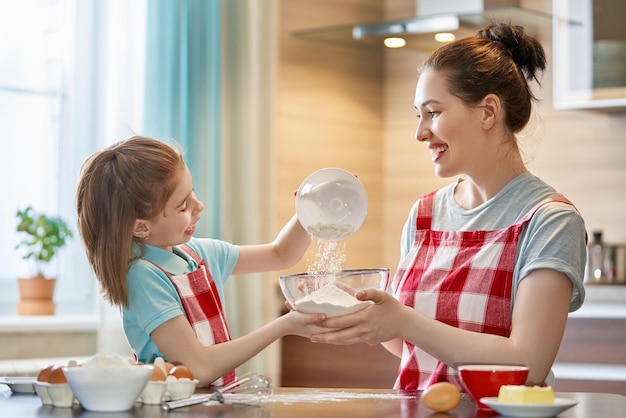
{"x": 375, "y": 324}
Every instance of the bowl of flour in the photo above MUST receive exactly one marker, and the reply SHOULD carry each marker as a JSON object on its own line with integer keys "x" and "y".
{"x": 331, "y": 293}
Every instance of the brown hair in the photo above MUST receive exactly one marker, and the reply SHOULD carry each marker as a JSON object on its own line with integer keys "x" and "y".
{"x": 499, "y": 59}
{"x": 129, "y": 180}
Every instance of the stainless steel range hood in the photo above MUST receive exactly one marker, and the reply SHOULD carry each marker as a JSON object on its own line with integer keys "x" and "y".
{"x": 459, "y": 17}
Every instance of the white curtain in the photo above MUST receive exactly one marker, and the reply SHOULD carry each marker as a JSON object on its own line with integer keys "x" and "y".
{"x": 250, "y": 57}
{"x": 117, "y": 93}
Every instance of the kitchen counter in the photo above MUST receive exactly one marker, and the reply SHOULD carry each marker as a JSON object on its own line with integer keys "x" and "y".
{"x": 364, "y": 403}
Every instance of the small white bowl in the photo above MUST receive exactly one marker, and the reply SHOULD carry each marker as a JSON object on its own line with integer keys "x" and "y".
{"x": 107, "y": 389}
{"x": 331, "y": 204}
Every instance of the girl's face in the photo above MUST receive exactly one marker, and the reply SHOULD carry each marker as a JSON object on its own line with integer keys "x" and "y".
{"x": 177, "y": 222}
{"x": 450, "y": 128}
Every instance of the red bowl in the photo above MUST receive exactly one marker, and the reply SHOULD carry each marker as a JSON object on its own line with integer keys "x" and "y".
{"x": 482, "y": 380}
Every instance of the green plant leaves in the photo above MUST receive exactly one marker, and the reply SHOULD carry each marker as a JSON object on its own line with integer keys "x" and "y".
{"x": 45, "y": 235}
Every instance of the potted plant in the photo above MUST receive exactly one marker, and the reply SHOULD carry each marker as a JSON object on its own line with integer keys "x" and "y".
{"x": 45, "y": 236}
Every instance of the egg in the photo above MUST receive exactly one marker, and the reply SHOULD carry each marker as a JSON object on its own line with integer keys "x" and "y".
{"x": 168, "y": 367}
{"x": 44, "y": 374}
{"x": 441, "y": 397}
{"x": 57, "y": 375}
{"x": 157, "y": 374}
{"x": 181, "y": 372}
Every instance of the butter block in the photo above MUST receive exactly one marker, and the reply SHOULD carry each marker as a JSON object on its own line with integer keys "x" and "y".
{"x": 526, "y": 394}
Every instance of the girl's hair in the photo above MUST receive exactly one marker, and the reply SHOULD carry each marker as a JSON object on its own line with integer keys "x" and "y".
{"x": 129, "y": 180}
{"x": 499, "y": 59}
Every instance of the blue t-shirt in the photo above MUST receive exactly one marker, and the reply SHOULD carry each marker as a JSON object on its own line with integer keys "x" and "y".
{"x": 553, "y": 239}
{"x": 152, "y": 297}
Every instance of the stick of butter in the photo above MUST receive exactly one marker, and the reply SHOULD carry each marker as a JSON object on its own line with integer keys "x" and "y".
{"x": 526, "y": 394}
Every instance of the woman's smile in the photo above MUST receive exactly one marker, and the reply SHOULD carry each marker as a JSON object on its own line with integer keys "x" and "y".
{"x": 436, "y": 151}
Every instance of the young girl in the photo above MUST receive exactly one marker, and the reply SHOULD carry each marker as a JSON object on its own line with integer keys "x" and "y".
{"x": 137, "y": 212}
{"x": 491, "y": 264}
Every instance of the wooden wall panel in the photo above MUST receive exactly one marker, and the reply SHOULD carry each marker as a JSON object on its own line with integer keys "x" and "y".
{"x": 330, "y": 113}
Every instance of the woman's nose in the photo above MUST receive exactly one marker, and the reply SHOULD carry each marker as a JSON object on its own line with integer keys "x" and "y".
{"x": 422, "y": 133}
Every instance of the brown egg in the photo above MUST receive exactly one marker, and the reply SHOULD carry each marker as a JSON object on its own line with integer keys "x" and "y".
{"x": 441, "y": 397}
{"x": 157, "y": 374}
{"x": 57, "y": 375}
{"x": 44, "y": 374}
{"x": 181, "y": 372}
{"x": 168, "y": 367}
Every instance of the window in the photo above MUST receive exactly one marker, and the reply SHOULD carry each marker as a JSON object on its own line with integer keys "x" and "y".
{"x": 69, "y": 84}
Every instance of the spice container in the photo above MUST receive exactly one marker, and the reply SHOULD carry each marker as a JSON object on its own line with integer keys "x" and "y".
{"x": 594, "y": 269}
{"x": 605, "y": 263}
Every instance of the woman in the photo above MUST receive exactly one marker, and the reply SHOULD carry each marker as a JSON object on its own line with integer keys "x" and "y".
{"x": 491, "y": 264}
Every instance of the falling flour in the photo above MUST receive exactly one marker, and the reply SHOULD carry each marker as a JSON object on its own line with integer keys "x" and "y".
{"x": 330, "y": 300}
{"x": 329, "y": 258}
{"x": 325, "y": 296}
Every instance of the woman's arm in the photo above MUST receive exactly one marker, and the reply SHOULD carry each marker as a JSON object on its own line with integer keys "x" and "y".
{"x": 287, "y": 249}
{"x": 178, "y": 343}
{"x": 538, "y": 322}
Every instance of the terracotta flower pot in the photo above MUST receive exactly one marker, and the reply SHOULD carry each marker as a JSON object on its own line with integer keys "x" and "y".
{"x": 36, "y": 295}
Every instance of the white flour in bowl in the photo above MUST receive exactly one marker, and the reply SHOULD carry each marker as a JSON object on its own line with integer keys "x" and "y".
{"x": 331, "y": 232}
{"x": 331, "y": 301}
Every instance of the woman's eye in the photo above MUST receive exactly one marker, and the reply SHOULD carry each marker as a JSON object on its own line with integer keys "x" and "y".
{"x": 431, "y": 113}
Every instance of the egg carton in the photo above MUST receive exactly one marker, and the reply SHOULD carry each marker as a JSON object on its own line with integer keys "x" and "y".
{"x": 60, "y": 395}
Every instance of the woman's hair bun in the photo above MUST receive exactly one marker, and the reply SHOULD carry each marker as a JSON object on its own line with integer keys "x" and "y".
{"x": 525, "y": 50}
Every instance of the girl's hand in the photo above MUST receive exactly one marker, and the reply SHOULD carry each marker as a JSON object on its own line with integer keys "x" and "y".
{"x": 304, "y": 325}
{"x": 375, "y": 324}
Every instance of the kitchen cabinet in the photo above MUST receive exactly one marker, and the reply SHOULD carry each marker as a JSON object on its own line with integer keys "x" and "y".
{"x": 589, "y": 54}
{"x": 592, "y": 357}
{"x": 305, "y": 364}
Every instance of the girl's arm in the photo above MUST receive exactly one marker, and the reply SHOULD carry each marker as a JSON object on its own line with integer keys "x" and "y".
{"x": 178, "y": 343}
{"x": 538, "y": 323}
{"x": 287, "y": 249}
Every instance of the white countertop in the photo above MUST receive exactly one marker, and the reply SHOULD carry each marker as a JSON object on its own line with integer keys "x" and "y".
{"x": 603, "y": 301}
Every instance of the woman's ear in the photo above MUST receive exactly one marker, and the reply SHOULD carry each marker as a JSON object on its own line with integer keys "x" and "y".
{"x": 492, "y": 110}
{"x": 140, "y": 229}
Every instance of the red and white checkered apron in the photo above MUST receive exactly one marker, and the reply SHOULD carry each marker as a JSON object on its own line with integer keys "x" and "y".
{"x": 202, "y": 305}
{"x": 461, "y": 278}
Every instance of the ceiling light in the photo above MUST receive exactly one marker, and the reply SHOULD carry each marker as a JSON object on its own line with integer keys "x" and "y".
{"x": 444, "y": 37}
{"x": 394, "y": 42}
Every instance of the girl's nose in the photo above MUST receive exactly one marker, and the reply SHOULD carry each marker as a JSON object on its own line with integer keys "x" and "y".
{"x": 198, "y": 206}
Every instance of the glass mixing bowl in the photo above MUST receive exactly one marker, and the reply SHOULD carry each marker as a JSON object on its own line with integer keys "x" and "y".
{"x": 331, "y": 293}
{"x": 331, "y": 204}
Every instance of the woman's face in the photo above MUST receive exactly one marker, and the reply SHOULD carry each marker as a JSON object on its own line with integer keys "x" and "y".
{"x": 451, "y": 129}
{"x": 176, "y": 224}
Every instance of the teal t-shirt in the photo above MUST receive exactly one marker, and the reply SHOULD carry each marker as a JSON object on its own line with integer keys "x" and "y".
{"x": 152, "y": 298}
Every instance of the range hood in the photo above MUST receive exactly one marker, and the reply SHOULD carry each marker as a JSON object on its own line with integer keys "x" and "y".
{"x": 462, "y": 18}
